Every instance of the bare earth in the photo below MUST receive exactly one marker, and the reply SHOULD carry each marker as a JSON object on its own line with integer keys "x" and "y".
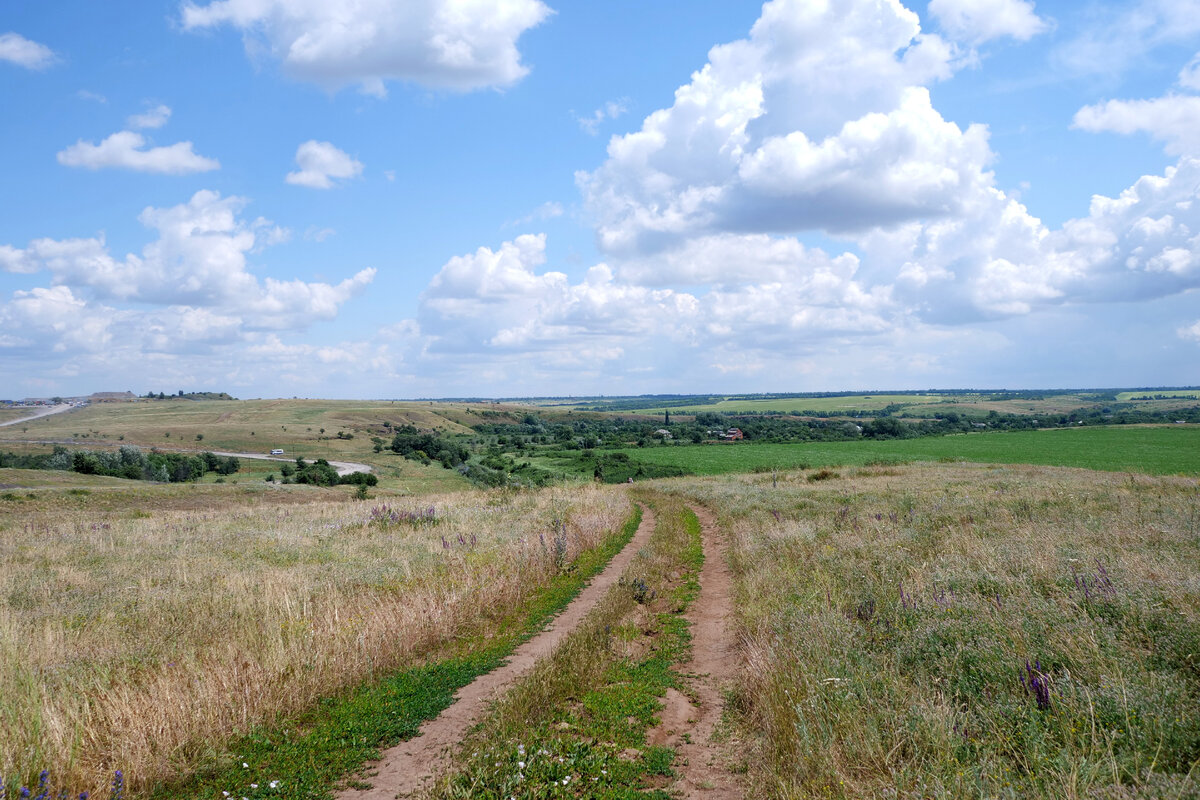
{"x": 687, "y": 724}
{"x": 406, "y": 768}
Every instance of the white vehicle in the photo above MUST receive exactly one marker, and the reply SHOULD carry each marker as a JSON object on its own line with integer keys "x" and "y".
{"x": 277, "y": 452}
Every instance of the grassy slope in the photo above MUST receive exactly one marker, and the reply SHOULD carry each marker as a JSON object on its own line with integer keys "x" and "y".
{"x": 1162, "y": 450}
{"x": 307, "y": 756}
{"x": 139, "y": 625}
{"x": 888, "y": 618}
{"x": 243, "y": 425}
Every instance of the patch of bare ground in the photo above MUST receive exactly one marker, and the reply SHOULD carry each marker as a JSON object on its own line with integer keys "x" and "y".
{"x": 408, "y": 767}
{"x": 691, "y": 724}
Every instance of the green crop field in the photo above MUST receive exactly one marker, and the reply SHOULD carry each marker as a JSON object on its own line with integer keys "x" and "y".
{"x": 1165, "y": 450}
{"x": 1126, "y": 397}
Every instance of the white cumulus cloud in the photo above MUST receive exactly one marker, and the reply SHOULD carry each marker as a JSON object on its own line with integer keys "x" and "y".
{"x": 198, "y": 260}
{"x": 152, "y": 118}
{"x": 1173, "y": 120}
{"x": 128, "y": 150}
{"x": 454, "y": 44}
{"x": 978, "y": 21}
{"x": 16, "y": 49}
{"x": 321, "y": 164}
{"x": 821, "y": 119}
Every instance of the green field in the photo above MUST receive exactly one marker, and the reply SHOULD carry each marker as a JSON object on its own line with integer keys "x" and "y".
{"x": 1164, "y": 450}
{"x": 1126, "y": 397}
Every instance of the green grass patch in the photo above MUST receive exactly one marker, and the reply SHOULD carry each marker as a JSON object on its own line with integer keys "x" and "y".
{"x": 967, "y": 633}
{"x": 1162, "y": 450}
{"x": 577, "y": 726}
{"x": 306, "y": 757}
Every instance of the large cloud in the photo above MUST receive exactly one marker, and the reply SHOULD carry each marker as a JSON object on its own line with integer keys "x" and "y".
{"x": 197, "y": 261}
{"x": 978, "y": 21}
{"x": 1174, "y": 120}
{"x": 819, "y": 120}
{"x": 455, "y": 44}
{"x": 186, "y": 311}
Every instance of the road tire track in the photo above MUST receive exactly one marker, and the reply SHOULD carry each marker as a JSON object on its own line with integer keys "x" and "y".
{"x": 688, "y": 724}
{"x": 409, "y": 766}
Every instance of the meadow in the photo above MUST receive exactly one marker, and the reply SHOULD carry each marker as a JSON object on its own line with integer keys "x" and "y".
{"x": 964, "y": 631}
{"x": 1161, "y": 450}
{"x": 143, "y": 638}
{"x": 886, "y": 602}
{"x": 306, "y": 428}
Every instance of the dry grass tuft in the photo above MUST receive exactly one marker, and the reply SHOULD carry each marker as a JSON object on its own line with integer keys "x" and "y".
{"x": 887, "y": 618}
{"x": 143, "y": 644}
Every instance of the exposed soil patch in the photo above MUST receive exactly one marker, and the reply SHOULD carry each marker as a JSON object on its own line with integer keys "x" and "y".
{"x": 406, "y": 768}
{"x": 704, "y": 766}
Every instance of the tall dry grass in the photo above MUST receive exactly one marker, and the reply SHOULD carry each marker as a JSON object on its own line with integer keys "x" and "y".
{"x": 143, "y": 644}
{"x": 887, "y": 615}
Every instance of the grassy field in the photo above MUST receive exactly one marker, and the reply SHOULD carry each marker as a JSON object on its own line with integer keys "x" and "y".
{"x": 7, "y": 414}
{"x": 1126, "y": 397}
{"x": 138, "y": 636}
{"x": 954, "y": 631}
{"x": 242, "y": 425}
{"x": 1163, "y": 450}
{"x": 862, "y": 402}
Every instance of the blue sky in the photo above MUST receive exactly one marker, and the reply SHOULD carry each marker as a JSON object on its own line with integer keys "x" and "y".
{"x": 515, "y": 197}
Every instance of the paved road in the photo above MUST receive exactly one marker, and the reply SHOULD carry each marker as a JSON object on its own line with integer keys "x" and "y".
{"x": 43, "y": 411}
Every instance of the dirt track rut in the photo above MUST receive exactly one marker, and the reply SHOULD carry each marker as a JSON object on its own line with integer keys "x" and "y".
{"x": 407, "y": 767}
{"x": 689, "y": 724}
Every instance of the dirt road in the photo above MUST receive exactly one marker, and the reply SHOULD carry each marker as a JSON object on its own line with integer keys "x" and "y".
{"x": 342, "y": 467}
{"x": 702, "y": 766}
{"x": 43, "y": 411}
{"x": 406, "y": 768}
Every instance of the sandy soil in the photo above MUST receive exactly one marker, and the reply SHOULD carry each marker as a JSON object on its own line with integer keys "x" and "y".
{"x": 689, "y": 724}
{"x": 406, "y": 768}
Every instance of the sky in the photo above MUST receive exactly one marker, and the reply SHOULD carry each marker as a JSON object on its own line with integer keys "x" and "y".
{"x": 506, "y": 198}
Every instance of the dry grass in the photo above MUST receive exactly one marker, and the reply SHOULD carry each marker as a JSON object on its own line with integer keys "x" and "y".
{"x": 887, "y": 618}
{"x": 143, "y": 644}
